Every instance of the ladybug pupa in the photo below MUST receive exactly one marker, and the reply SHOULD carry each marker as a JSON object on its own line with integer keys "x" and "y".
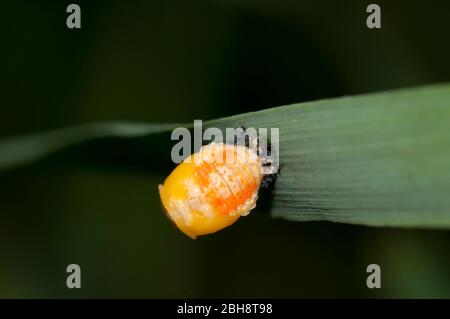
{"x": 212, "y": 188}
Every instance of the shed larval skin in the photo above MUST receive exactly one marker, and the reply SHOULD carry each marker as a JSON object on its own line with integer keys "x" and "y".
{"x": 211, "y": 189}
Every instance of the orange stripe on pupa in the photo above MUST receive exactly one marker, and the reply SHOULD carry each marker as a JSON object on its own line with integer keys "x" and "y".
{"x": 214, "y": 192}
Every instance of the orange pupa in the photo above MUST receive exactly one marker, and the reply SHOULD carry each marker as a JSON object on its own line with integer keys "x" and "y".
{"x": 212, "y": 188}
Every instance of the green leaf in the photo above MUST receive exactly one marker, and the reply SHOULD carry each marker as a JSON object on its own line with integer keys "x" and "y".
{"x": 379, "y": 159}
{"x": 17, "y": 151}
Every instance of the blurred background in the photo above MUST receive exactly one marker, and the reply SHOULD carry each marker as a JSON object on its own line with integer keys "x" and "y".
{"x": 176, "y": 61}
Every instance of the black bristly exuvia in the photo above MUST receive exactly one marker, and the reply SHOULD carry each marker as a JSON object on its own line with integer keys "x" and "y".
{"x": 268, "y": 180}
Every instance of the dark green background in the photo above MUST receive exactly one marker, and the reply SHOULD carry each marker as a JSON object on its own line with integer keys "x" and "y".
{"x": 176, "y": 61}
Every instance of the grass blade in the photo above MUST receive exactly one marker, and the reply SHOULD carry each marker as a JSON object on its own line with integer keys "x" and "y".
{"x": 379, "y": 159}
